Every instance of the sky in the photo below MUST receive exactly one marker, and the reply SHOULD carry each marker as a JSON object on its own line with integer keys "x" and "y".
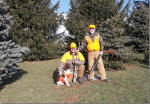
{"x": 131, "y": 6}
{"x": 64, "y": 5}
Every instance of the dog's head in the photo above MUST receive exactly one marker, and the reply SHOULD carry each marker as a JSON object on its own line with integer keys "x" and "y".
{"x": 67, "y": 66}
{"x": 68, "y": 71}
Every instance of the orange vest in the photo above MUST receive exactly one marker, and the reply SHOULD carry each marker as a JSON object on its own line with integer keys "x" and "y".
{"x": 93, "y": 45}
{"x": 62, "y": 78}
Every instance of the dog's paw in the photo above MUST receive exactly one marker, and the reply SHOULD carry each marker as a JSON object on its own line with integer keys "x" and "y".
{"x": 68, "y": 84}
{"x": 59, "y": 83}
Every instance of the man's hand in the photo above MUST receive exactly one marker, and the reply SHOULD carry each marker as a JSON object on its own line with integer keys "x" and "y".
{"x": 101, "y": 53}
{"x": 76, "y": 52}
{"x": 77, "y": 62}
{"x": 68, "y": 62}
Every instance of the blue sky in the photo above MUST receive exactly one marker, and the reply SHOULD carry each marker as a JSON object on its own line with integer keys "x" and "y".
{"x": 64, "y": 5}
{"x": 131, "y": 2}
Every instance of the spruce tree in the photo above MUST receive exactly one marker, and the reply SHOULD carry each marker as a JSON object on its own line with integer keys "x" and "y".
{"x": 35, "y": 23}
{"x": 10, "y": 53}
{"x": 138, "y": 32}
{"x": 114, "y": 37}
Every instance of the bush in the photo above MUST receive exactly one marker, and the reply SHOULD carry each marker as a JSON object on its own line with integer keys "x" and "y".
{"x": 45, "y": 52}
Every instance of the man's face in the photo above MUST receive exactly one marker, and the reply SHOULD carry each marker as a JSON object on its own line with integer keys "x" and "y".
{"x": 92, "y": 30}
{"x": 73, "y": 50}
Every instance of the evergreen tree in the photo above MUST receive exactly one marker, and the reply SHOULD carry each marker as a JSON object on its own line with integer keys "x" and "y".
{"x": 114, "y": 36}
{"x": 138, "y": 31}
{"x": 10, "y": 53}
{"x": 35, "y": 23}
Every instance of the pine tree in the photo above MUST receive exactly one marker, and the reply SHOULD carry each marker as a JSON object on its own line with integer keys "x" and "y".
{"x": 10, "y": 53}
{"x": 114, "y": 37}
{"x": 138, "y": 32}
{"x": 35, "y": 23}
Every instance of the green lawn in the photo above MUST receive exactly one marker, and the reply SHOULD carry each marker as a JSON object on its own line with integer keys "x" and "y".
{"x": 36, "y": 86}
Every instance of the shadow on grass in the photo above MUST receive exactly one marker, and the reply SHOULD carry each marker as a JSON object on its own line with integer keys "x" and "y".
{"x": 18, "y": 73}
{"x": 144, "y": 65}
{"x": 55, "y": 76}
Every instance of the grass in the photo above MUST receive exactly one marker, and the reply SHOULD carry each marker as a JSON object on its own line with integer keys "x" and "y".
{"x": 36, "y": 86}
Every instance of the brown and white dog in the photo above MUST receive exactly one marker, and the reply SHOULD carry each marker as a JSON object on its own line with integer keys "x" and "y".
{"x": 64, "y": 80}
{"x": 67, "y": 74}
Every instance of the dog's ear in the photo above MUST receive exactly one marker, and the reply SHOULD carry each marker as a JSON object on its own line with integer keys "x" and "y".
{"x": 67, "y": 66}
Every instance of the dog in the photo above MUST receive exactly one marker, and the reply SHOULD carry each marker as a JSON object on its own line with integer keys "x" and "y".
{"x": 64, "y": 80}
{"x": 67, "y": 74}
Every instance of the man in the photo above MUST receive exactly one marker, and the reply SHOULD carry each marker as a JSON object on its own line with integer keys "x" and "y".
{"x": 72, "y": 57}
{"x": 94, "y": 45}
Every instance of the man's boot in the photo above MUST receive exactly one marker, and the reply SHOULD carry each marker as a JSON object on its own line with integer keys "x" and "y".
{"x": 91, "y": 79}
{"x": 80, "y": 80}
{"x": 106, "y": 80}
